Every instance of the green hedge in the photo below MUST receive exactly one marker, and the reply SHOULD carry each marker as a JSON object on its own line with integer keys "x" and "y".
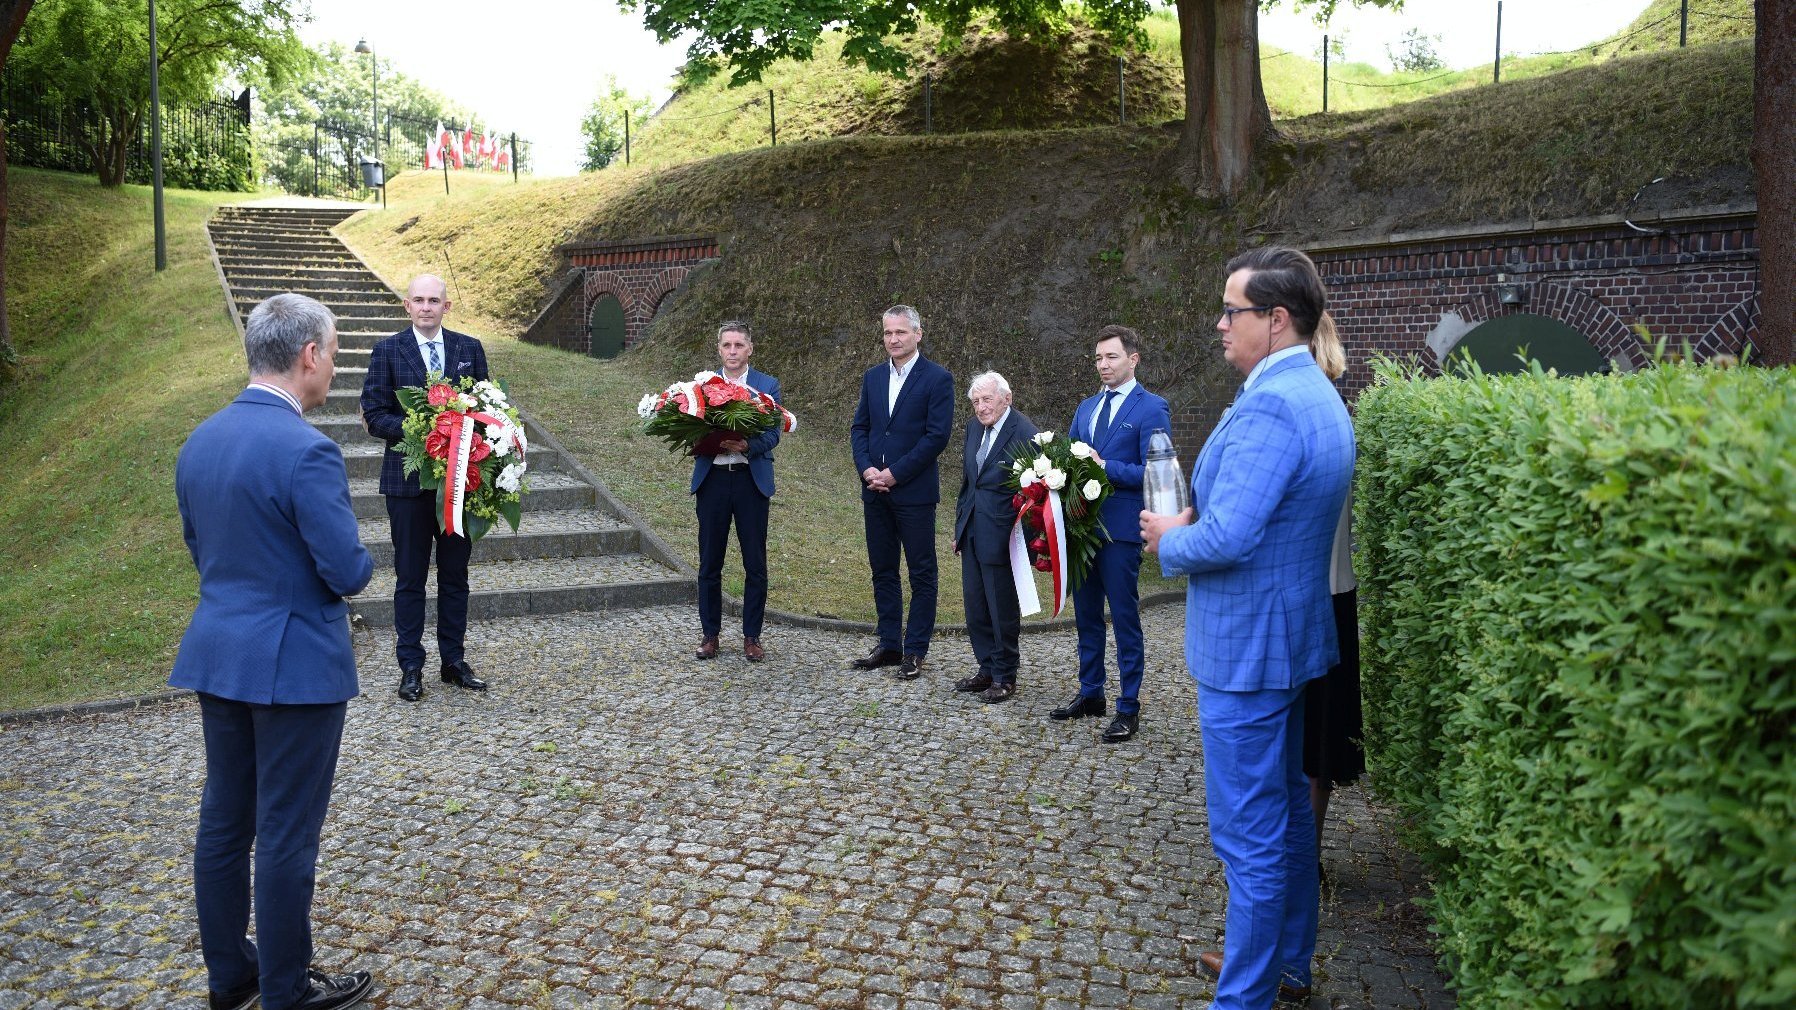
{"x": 1579, "y": 603}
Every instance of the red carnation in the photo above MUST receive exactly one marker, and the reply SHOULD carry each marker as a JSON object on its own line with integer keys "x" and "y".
{"x": 1042, "y": 565}
{"x": 716, "y": 395}
{"x": 440, "y": 394}
{"x": 437, "y": 445}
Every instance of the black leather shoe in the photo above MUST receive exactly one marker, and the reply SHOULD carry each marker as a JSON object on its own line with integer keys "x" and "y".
{"x": 998, "y": 692}
{"x": 461, "y": 675}
{"x": 878, "y": 658}
{"x": 1122, "y": 728}
{"x": 240, "y": 998}
{"x": 910, "y": 668}
{"x": 333, "y": 992}
{"x": 1211, "y": 962}
{"x": 974, "y": 684}
{"x": 1080, "y": 707}
{"x": 411, "y": 684}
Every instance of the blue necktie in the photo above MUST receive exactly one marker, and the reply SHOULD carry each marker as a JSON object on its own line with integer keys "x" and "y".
{"x": 1103, "y": 428}
{"x": 436, "y": 360}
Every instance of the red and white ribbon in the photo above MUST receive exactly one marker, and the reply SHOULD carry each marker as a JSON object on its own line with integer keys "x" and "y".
{"x": 455, "y": 491}
{"x": 1022, "y": 573}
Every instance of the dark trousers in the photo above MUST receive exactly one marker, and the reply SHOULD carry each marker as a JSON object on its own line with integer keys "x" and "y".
{"x": 269, "y": 770}
{"x": 414, "y": 525}
{"x": 994, "y": 618}
{"x": 729, "y": 496}
{"x": 1113, "y": 578}
{"x": 910, "y": 528}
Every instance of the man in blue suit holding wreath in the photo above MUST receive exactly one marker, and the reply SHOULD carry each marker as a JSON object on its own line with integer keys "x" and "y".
{"x": 265, "y": 511}
{"x": 1116, "y": 423}
{"x": 735, "y": 486}
{"x": 1266, "y": 492}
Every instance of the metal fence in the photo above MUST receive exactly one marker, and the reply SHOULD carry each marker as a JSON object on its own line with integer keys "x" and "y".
{"x": 324, "y": 158}
{"x": 204, "y": 146}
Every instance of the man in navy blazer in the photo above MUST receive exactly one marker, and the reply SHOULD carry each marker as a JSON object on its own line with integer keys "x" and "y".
{"x": 735, "y": 485}
{"x": 901, "y": 426}
{"x": 982, "y": 521}
{"x": 1116, "y": 423}
{"x": 409, "y": 358}
{"x": 1267, "y": 492}
{"x": 265, "y": 512}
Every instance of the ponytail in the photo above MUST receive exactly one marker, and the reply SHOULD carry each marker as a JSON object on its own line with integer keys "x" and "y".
{"x": 1325, "y": 346}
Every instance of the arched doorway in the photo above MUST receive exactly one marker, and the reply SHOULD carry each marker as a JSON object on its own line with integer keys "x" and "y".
{"x": 1496, "y": 344}
{"x": 607, "y": 326}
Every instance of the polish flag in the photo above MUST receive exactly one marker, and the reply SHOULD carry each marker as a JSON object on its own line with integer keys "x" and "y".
{"x": 502, "y": 159}
{"x": 433, "y": 151}
{"x": 451, "y": 149}
{"x": 470, "y": 145}
{"x": 489, "y": 147}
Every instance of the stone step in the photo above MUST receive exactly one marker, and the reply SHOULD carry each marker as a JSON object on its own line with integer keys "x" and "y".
{"x": 348, "y": 378}
{"x": 363, "y": 459}
{"x": 548, "y": 492}
{"x": 329, "y": 294}
{"x": 277, "y": 274}
{"x": 242, "y": 211}
{"x": 322, "y": 245}
{"x": 352, "y": 336}
{"x": 544, "y": 586}
{"x": 233, "y": 262}
{"x": 568, "y": 534}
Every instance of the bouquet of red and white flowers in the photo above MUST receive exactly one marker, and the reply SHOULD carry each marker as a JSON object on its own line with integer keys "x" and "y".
{"x": 464, "y": 441}
{"x": 696, "y": 417}
{"x": 1059, "y": 486}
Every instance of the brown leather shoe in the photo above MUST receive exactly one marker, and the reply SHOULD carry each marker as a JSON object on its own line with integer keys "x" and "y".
{"x": 973, "y": 685}
{"x": 707, "y": 649}
{"x": 751, "y": 647}
{"x": 877, "y": 658}
{"x": 1211, "y": 962}
{"x": 998, "y": 692}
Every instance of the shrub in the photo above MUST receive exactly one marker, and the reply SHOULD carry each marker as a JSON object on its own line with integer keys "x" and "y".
{"x": 1579, "y": 601}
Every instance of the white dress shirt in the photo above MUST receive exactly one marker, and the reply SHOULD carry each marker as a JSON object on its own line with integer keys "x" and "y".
{"x": 424, "y": 349}
{"x": 895, "y": 376}
{"x": 1122, "y": 393}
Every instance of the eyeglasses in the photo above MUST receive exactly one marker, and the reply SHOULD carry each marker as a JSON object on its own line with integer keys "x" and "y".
{"x": 1228, "y": 314}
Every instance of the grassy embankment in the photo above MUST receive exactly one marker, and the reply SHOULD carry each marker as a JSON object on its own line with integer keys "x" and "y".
{"x": 119, "y": 364}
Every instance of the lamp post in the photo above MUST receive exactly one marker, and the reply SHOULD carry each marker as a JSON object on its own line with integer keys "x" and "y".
{"x": 156, "y": 146}
{"x": 362, "y": 46}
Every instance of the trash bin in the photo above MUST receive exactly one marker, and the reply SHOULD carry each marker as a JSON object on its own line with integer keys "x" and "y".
{"x": 374, "y": 173}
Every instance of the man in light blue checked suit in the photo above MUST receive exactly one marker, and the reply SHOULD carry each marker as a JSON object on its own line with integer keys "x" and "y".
{"x": 1267, "y": 491}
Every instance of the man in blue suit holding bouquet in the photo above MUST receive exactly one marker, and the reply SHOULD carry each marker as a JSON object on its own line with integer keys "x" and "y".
{"x": 900, "y": 428}
{"x": 409, "y": 358}
{"x": 1116, "y": 423}
{"x": 1267, "y": 492}
{"x": 265, "y": 512}
{"x": 735, "y": 485}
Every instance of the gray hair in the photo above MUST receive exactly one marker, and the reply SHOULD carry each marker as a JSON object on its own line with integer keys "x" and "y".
{"x": 281, "y": 327}
{"x": 909, "y": 314}
{"x": 984, "y": 379}
{"x": 736, "y": 326}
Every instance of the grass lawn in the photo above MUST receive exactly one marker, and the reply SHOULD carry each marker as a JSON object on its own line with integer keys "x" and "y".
{"x": 120, "y": 362}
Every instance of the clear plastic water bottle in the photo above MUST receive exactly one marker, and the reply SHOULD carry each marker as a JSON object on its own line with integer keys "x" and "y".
{"x": 1163, "y": 486}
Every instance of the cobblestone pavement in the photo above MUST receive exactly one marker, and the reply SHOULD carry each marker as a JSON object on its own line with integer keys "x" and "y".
{"x": 615, "y": 824}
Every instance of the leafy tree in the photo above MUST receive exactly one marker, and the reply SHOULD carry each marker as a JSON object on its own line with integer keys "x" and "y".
{"x": 1336, "y": 48}
{"x": 96, "y": 54}
{"x": 603, "y": 126}
{"x": 1416, "y": 52}
{"x": 12, "y": 19}
{"x": 1226, "y": 118}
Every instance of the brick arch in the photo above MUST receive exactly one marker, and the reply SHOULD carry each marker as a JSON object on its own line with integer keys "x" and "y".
{"x": 1735, "y": 331}
{"x": 1574, "y": 307}
{"x": 599, "y": 283}
{"x": 660, "y": 287}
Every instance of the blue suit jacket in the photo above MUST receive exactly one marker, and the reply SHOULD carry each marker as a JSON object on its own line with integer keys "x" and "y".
{"x": 908, "y": 438}
{"x": 396, "y": 363}
{"x": 984, "y": 502}
{"x": 1268, "y": 488}
{"x": 265, "y": 512}
{"x": 760, "y": 448}
{"x": 1124, "y": 452}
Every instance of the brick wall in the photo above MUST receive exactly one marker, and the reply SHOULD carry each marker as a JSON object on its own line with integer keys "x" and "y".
{"x": 639, "y": 273}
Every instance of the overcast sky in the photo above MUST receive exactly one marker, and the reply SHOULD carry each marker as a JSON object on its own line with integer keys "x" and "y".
{"x": 533, "y": 66}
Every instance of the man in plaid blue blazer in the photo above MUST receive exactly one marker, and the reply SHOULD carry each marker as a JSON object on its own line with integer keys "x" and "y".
{"x": 1267, "y": 491}
{"x": 409, "y": 358}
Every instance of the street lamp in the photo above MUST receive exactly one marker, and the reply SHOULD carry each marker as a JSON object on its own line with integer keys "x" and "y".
{"x": 362, "y": 46}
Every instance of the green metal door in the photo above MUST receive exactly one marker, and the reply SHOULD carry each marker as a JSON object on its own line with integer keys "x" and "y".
{"x": 1495, "y": 345}
{"x": 607, "y": 323}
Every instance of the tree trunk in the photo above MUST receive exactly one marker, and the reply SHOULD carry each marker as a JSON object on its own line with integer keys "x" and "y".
{"x": 111, "y": 148}
{"x": 1226, "y": 118}
{"x": 1774, "y": 168}
{"x": 12, "y": 21}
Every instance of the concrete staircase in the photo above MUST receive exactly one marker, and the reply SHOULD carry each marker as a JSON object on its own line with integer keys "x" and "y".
{"x": 575, "y": 550}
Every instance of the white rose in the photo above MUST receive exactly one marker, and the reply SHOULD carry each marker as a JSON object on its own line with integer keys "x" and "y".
{"x": 1081, "y": 450}
{"x": 1018, "y": 466}
{"x": 1042, "y": 466}
{"x": 1055, "y": 480}
{"x": 1028, "y": 479}
{"x": 1091, "y": 490}
{"x": 1043, "y": 437}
